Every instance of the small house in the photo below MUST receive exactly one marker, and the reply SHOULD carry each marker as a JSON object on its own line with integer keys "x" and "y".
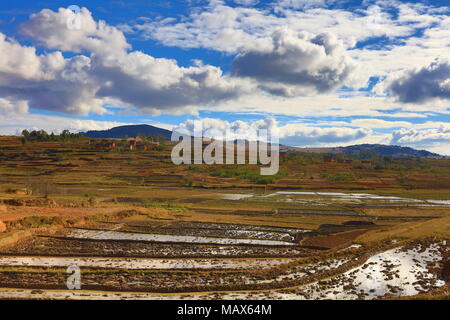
{"x": 105, "y": 145}
{"x": 142, "y": 147}
{"x": 109, "y": 145}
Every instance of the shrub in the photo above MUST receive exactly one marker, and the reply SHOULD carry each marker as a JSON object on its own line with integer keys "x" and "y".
{"x": 246, "y": 173}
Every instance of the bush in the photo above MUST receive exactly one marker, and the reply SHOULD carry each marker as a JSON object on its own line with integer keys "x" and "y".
{"x": 36, "y": 222}
{"x": 246, "y": 173}
{"x": 265, "y": 180}
{"x": 340, "y": 176}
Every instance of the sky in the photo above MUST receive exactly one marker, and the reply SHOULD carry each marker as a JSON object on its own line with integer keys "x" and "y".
{"x": 325, "y": 72}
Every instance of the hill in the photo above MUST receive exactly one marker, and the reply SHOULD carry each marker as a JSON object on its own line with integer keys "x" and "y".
{"x": 129, "y": 131}
{"x": 361, "y": 150}
{"x": 368, "y": 150}
{"x": 389, "y": 150}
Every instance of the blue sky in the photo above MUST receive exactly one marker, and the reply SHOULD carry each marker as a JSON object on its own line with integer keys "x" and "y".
{"x": 326, "y": 72}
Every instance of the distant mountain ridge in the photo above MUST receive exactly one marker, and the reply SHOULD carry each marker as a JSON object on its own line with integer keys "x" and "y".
{"x": 390, "y": 150}
{"x": 128, "y": 131}
{"x": 379, "y": 149}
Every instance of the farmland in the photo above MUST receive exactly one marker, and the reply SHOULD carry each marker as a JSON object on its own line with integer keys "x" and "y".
{"x": 140, "y": 227}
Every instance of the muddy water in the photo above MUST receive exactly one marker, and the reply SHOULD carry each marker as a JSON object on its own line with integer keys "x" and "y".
{"x": 303, "y": 271}
{"x": 42, "y": 246}
{"x": 339, "y": 196}
{"x": 214, "y": 230}
{"x": 79, "y": 295}
{"x": 142, "y": 264}
{"x": 116, "y": 235}
{"x": 398, "y": 271}
{"x": 315, "y": 198}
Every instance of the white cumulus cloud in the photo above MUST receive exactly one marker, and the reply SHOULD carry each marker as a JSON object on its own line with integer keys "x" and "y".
{"x": 293, "y": 64}
{"x": 422, "y": 84}
{"x": 105, "y": 71}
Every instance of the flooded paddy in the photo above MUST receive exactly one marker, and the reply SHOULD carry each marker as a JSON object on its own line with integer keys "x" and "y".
{"x": 398, "y": 272}
{"x": 80, "y": 295}
{"x": 402, "y": 271}
{"x": 215, "y": 230}
{"x": 327, "y": 198}
{"x": 141, "y": 264}
{"x": 147, "y": 259}
{"x": 54, "y": 246}
{"x": 128, "y": 236}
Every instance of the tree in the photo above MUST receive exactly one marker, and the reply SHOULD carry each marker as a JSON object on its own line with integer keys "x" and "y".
{"x": 25, "y": 133}
{"x": 42, "y": 135}
{"x": 65, "y": 134}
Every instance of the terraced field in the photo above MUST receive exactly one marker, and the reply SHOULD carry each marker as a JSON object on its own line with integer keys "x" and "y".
{"x": 138, "y": 227}
{"x": 116, "y": 259}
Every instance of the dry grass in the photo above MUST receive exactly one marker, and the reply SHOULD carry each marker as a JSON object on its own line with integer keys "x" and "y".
{"x": 407, "y": 212}
{"x": 439, "y": 227}
{"x": 334, "y": 241}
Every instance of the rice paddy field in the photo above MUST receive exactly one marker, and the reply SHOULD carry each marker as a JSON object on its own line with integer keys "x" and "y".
{"x": 138, "y": 227}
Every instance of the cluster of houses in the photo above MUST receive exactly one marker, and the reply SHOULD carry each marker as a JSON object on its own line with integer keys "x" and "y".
{"x": 131, "y": 144}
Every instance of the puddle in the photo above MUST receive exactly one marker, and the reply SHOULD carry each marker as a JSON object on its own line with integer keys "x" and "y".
{"x": 447, "y": 202}
{"x": 235, "y": 196}
{"x": 353, "y": 246}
